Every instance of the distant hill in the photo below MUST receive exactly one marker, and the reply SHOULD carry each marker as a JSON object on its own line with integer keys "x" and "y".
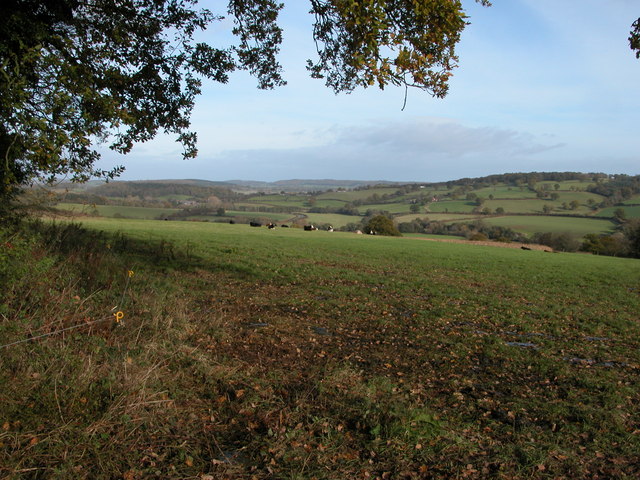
{"x": 301, "y": 185}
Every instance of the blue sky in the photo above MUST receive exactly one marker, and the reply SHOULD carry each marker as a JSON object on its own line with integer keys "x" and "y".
{"x": 543, "y": 85}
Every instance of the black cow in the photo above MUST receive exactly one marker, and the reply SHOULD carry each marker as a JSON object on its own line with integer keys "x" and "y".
{"x": 270, "y": 226}
{"x": 255, "y": 224}
{"x": 310, "y": 228}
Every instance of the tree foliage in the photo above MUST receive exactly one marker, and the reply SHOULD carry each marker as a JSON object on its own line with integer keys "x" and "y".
{"x": 382, "y": 225}
{"x": 634, "y": 37}
{"x": 76, "y": 73}
{"x": 397, "y": 42}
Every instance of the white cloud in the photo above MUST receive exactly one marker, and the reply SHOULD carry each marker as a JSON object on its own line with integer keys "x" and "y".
{"x": 412, "y": 150}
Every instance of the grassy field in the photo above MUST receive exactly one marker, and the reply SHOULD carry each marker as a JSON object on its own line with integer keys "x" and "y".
{"x": 629, "y": 211}
{"x": 393, "y": 208}
{"x": 333, "y": 219}
{"x": 351, "y": 195}
{"x": 147, "y": 213}
{"x": 504, "y": 192}
{"x": 274, "y": 217}
{"x": 635, "y": 200}
{"x": 528, "y": 225}
{"x": 440, "y": 217}
{"x": 298, "y": 201}
{"x": 534, "y": 205}
{"x": 249, "y": 353}
{"x": 449, "y": 206}
{"x": 566, "y": 185}
{"x": 532, "y": 224}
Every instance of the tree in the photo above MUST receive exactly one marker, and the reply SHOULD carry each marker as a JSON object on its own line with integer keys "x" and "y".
{"x": 620, "y": 214}
{"x": 414, "y": 208}
{"x": 547, "y": 209}
{"x": 382, "y": 225}
{"x": 634, "y": 37}
{"x": 632, "y": 233}
{"x": 75, "y": 73}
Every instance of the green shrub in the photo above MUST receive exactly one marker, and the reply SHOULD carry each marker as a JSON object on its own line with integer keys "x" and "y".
{"x": 382, "y": 225}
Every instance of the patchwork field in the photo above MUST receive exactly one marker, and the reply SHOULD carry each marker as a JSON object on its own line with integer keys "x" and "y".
{"x": 249, "y": 353}
{"x": 574, "y": 225}
{"x": 148, "y": 213}
{"x": 630, "y": 211}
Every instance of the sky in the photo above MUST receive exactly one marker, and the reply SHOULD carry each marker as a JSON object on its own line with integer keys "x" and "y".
{"x": 542, "y": 85}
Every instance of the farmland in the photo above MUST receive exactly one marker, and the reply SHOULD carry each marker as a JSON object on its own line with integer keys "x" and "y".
{"x": 249, "y": 353}
{"x": 538, "y": 223}
{"x": 519, "y": 207}
{"x": 116, "y": 211}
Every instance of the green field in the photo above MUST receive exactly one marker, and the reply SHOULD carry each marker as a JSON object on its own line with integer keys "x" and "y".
{"x": 332, "y": 219}
{"x": 285, "y": 354}
{"x": 393, "y": 208}
{"x": 635, "y": 200}
{"x": 148, "y": 213}
{"x": 532, "y": 224}
{"x": 449, "y": 206}
{"x": 566, "y": 185}
{"x": 278, "y": 200}
{"x": 505, "y": 192}
{"x": 629, "y": 211}
{"x": 329, "y": 203}
{"x": 351, "y": 195}
{"x": 534, "y": 205}
{"x": 175, "y": 197}
{"x": 439, "y": 217}
{"x": 257, "y": 216}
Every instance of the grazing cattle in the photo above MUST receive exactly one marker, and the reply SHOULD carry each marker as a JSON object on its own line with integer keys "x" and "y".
{"x": 231, "y": 222}
{"x": 270, "y": 226}
{"x": 284, "y": 226}
{"x": 525, "y": 248}
{"x": 359, "y": 232}
{"x": 255, "y": 224}
{"x": 309, "y": 228}
{"x": 329, "y": 228}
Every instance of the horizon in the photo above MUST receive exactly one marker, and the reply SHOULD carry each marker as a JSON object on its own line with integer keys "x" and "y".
{"x": 353, "y": 180}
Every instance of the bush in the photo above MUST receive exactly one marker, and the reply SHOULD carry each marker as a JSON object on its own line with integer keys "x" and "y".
{"x": 613, "y": 245}
{"x": 382, "y": 225}
{"x": 478, "y": 237}
{"x": 562, "y": 242}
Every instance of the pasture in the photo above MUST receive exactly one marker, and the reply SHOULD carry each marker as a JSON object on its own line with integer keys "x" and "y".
{"x": 440, "y": 217}
{"x": 502, "y": 191}
{"x": 362, "y": 194}
{"x": 635, "y": 200}
{"x": 578, "y": 226}
{"x": 145, "y": 213}
{"x": 393, "y": 208}
{"x": 534, "y": 205}
{"x": 249, "y": 353}
{"x": 450, "y": 206}
{"x": 334, "y": 219}
{"x": 630, "y": 211}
